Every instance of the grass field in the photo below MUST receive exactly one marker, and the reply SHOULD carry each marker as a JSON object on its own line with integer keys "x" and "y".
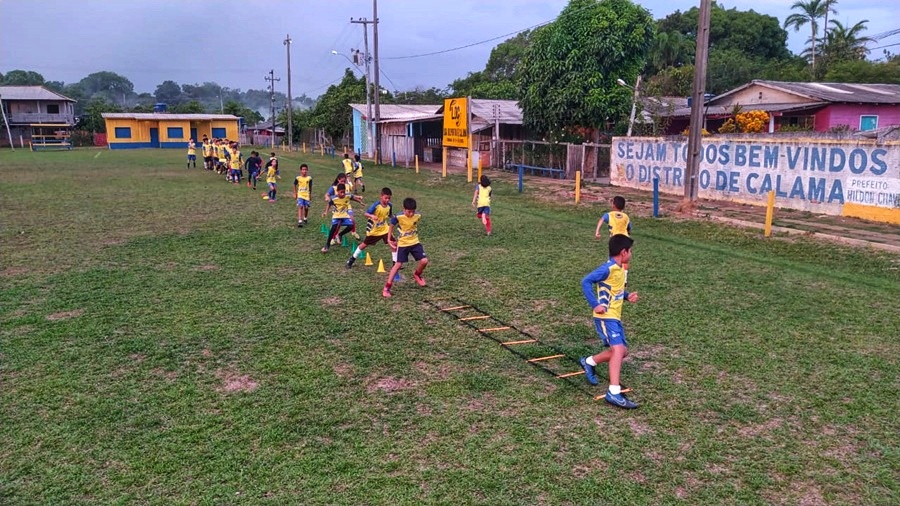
{"x": 168, "y": 338}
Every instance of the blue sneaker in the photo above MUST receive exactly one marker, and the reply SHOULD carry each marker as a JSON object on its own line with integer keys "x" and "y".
{"x": 619, "y": 401}
{"x": 588, "y": 371}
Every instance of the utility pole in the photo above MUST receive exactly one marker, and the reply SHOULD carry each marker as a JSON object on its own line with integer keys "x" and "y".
{"x": 700, "y": 60}
{"x": 377, "y": 86}
{"x": 290, "y": 105}
{"x": 271, "y": 78}
{"x": 370, "y": 125}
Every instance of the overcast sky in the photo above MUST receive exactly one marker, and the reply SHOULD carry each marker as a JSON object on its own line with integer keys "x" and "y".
{"x": 236, "y": 42}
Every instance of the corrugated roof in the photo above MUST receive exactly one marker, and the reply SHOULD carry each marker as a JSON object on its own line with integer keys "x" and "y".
{"x": 31, "y": 93}
{"x": 401, "y": 112}
{"x": 166, "y": 116}
{"x": 719, "y": 110}
{"x": 842, "y": 93}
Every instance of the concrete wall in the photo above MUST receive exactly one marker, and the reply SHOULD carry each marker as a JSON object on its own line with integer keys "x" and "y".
{"x": 842, "y": 178}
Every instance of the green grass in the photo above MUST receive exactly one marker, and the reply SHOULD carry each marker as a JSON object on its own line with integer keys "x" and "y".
{"x": 135, "y": 292}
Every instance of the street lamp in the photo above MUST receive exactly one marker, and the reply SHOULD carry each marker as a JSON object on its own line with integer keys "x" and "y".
{"x": 634, "y": 99}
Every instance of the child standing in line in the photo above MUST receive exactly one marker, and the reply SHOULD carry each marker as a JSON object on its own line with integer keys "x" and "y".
{"x": 482, "y": 202}
{"x": 340, "y": 217}
{"x": 618, "y": 223}
{"x": 206, "y": 149}
{"x": 302, "y": 192}
{"x": 358, "y": 174}
{"x": 254, "y": 165}
{"x": 607, "y": 301}
{"x": 406, "y": 244}
{"x": 192, "y": 153}
{"x": 379, "y": 215}
{"x": 272, "y": 176}
{"x": 237, "y": 162}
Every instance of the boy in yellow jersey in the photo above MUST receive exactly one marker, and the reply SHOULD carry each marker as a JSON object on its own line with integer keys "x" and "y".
{"x": 378, "y": 217}
{"x": 272, "y": 176}
{"x": 342, "y": 179}
{"x": 192, "y": 153}
{"x": 406, "y": 244}
{"x": 237, "y": 163}
{"x": 618, "y": 223}
{"x": 607, "y": 300}
{"x": 302, "y": 192}
{"x": 482, "y": 202}
{"x": 358, "y": 174}
{"x": 206, "y": 150}
{"x": 218, "y": 156}
{"x": 340, "y": 217}
{"x": 348, "y": 166}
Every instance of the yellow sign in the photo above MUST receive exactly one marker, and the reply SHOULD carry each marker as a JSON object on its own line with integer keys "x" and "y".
{"x": 456, "y": 123}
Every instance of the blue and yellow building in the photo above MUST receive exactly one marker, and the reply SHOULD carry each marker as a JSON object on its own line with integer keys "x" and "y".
{"x": 130, "y": 130}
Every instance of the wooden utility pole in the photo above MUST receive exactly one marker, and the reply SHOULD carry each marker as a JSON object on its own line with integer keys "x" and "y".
{"x": 271, "y": 78}
{"x": 692, "y": 169}
{"x": 290, "y": 109}
{"x": 370, "y": 125}
{"x": 377, "y": 90}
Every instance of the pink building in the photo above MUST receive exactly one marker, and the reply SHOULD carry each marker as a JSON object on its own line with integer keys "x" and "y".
{"x": 813, "y": 106}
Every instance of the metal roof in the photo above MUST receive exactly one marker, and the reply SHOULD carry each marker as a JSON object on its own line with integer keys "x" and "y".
{"x": 842, "y": 93}
{"x": 166, "y": 116}
{"x": 720, "y": 110}
{"x": 401, "y": 112}
{"x": 31, "y": 93}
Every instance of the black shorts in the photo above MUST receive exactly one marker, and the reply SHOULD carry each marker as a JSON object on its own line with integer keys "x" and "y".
{"x": 374, "y": 239}
{"x": 416, "y": 250}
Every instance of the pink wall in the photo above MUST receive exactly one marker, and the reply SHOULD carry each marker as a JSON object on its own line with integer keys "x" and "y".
{"x": 848, "y": 114}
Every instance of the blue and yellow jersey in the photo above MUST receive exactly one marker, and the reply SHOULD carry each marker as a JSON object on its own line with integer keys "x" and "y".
{"x": 236, "y": 161}
{"x": 192, "y": 148}
{"x": 333, "y": 190}
{"x": 409, "y": 229}
{"x": 348, "y": 166}
{"x": 271, "y": 174}
{"x": 357, "y": 170}
{"x": 303, "y": 185}
{"x": 618, "y": 222}
{"x": 606, "y": 286}
{"x": 484, "y": 196}
{"x": 341, "y": 206}
{"x": 206, "y": 149}
{"x": 383, "y": 214}
{"x": 216, "y": 151}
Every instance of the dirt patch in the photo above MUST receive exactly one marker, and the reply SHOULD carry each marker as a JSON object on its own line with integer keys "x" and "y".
{"x": 206, "y": 352}
{"x": 65, "y": 315}
{"x": 234, "y": 382}
{"x": 14, "y": 271}
{"x": 138, "y": 357}
{"x": 162, "y": 373}
{"x": 206, "y": 267}
{"x": 390, "y": 384}
{"x": 638, "y": 428}
{"x": 754, "y": 430}
{"x": 343, "y": 370}
{"x": 332, "y": 301}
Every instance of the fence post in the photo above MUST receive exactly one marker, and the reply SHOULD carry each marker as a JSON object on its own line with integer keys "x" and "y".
{"x": 444, "y": 163}
{"x": 770, "y": 213}
{"x": 479, "y": 167}
{"x": 417, "y": 164}
{"x": 521, "y": 174}
{"x": 656, "y": 197}
{"x": 577, "y": 186}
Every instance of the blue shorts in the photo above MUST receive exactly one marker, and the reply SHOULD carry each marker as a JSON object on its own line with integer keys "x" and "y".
{"x": 192, "y": 158}
{"x": 273, "y": 186}
{"x": 343, "y": 222}
{"x": 404, "y": 252}
{"x": 610, "y": 332}
{"x": 302, "y": 202}
{"x": 484, "y": 210}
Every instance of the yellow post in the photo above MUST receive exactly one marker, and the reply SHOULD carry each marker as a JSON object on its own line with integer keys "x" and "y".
{"x": 322, "y": 149}
{"x": 479, "y": 167}
{"x": 444, "y": 163}
{"x": 304, "y": 148}
{"x": 577, "y": 186}
{"x": 469, "y": 164}
{"x": 417, "y": 164}
{"x": 375, "y": 160}
{"x": 770, "y": 212}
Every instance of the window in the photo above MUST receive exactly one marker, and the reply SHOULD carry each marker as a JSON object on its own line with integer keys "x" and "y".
{"x": 218, "y": 133}
{"x": 52, "y": 108}
{"x": 175, "y": 132}
{"x": 123, "y": 132}
{"x": 868, "y": 123}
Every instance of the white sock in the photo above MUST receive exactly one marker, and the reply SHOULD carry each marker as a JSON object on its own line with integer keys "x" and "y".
{"x": 357, "y": 252}
{"x": 394, "y": 256}
{"x": 590, "y": 361}
{"x": 615, "y": 389}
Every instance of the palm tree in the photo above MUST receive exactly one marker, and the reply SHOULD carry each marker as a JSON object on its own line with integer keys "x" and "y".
{"x": 829, "y": 7}
{"x": 846, "y": 43}
{"x": 810, "y": 12}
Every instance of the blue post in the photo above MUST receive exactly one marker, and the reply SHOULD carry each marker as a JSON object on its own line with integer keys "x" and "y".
{"x": 332, "y": 152}
{"x": 656, "y": 197}
{"x": 521, "y": 174}
{"x": 359, "y": 152}
{"x": 393, "y": 159}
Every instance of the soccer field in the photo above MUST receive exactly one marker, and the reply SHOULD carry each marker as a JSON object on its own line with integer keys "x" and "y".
{"x": 169, "y": 338}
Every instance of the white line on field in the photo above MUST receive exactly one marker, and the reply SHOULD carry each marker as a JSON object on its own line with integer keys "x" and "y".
{"x": 98, "y": 154}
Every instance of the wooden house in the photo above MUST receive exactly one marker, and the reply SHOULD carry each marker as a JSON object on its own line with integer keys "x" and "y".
{"x": 36, "y": 115}
{"x": 129, "y": 130}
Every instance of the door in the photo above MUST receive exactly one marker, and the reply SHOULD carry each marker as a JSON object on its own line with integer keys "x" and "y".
{"x": 154, "y": 137}
{"x": 194, "y": 133}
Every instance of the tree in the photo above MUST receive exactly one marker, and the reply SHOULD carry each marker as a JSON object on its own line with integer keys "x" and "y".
{"x": 846, "y": 42}
{"x": 501, "y": 73}
{"x": 169, "y": 92}
{"x": 93, "y": 120}
{"x": 22, "y": 78}
{"x": 251, "y": 116}
{"x": 569, "y": 72}
{"x": 107, "y": 85}
{"x": 671, "y": 82}
{"x": 421, "y": 96}
{"x": 864, "y": 71}
{"x": 810, "y": 11}
{"x": 670, "y": 49}
{"x": 191, "y": 107}
{"x": 333, "y": 113}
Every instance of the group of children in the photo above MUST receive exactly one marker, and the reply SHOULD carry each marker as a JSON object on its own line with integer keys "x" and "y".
{"x": 223, "y": 156}
{"x": 604, "y": 288}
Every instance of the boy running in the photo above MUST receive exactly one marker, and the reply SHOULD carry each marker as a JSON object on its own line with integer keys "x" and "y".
{"x": 618, "y": 223}
{"x": 358, "y": 174}
{"x": 348, "y": 166}
{"x": 254, "y": 165}
{"x": 302, "y": 191}
{"x": 482, "y": 202}
{"x": 406, "y": 244}
{"x": 378, "y": 217}
{"x": 272, "y": 176}
{"x": 341, "y": 215}
{"x": 607, "y": 303}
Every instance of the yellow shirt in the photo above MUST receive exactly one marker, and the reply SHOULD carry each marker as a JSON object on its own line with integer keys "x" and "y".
{"x": 358, "y": 172}
{"x": 303, "y": 184}
{"x": 409, "y": 229}
{"x": 236, "y": 161}
{"x": 606, "y": 286}
{"x": 206, "y": 149}
{"x": 618, "y": 222}
{"x": 379, "y": 226}
{"x": 348, "y": 166}
{"x": 341, "y": 206}
{"x": 484, "y": 196}
{"x": 192, "y": 148}
{"x": 271, "y": 174}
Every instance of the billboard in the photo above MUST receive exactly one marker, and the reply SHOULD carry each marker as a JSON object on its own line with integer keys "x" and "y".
{"x": 456, "y": 123}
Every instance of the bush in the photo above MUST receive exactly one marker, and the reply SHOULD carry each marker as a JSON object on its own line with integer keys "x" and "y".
{"x": 752, "y": 122}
